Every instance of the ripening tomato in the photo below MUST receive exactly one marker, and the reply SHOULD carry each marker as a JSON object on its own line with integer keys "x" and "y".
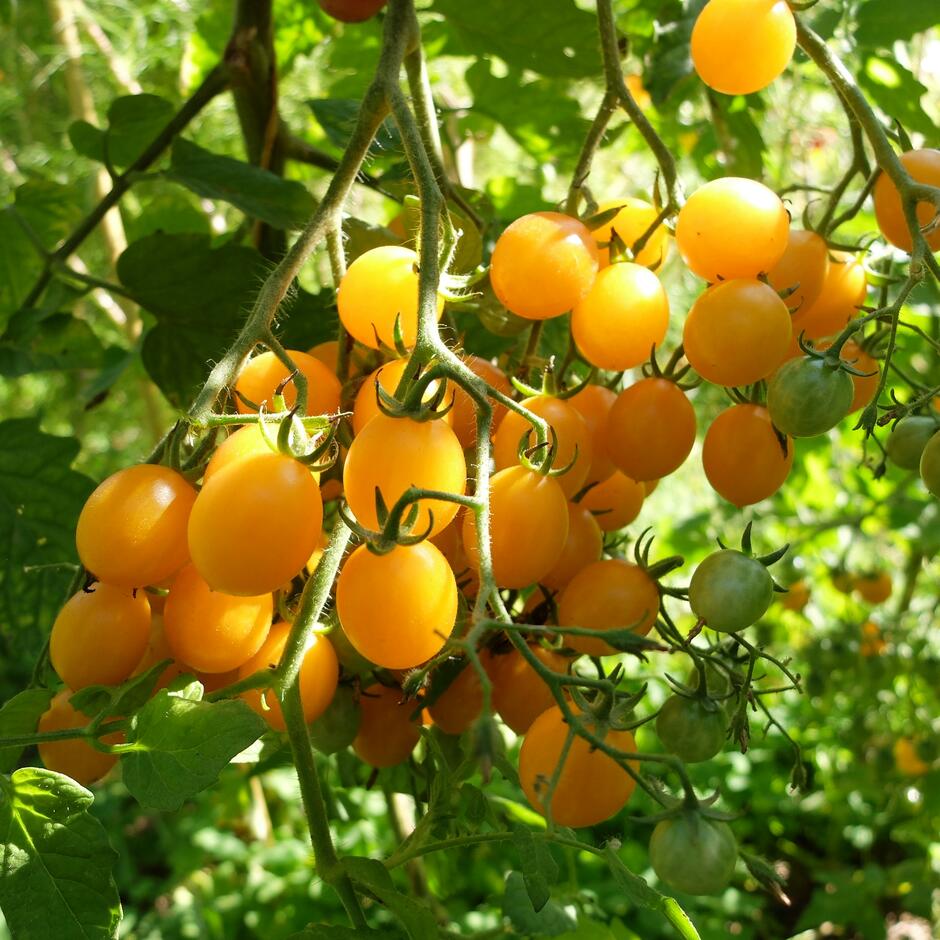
{"x": 387, "y": 733}
{"x": 519, "y": 693}
{"x": 255, "y": 524}
{"x": 319, "y": 675}
{"x": 808, "y": 396}
{"x": 261, "y": 376}
{"x": 584, "y": 545}
{"x": 744, "y": 459}
{"x": 874, "y": 588}
{"x": 802, "y": 269}
{"x": 731, "y": 65}
{"x": 351, "y": 11}
{"x": 694, "y": 854}
{"x": 650, "y": 429}
{"x": 591, "y": 786}
{"x": 381, "y": 286}
{"x": 930, "y": 465}
{"x": 924, "y": 167}
{"x": 615, "y": 502}
{"x": 528, "y": 527}
{"x": 132, "y": 529}
{"x": 737, "y": 332}
{"x": 463, "y": 414}
{"x": 872, "y": 642}
{"x": 622, "y": 318}
{"x": 908, "y": 439}
{"x": 393, "y": 454}
{"x": 75, "y": 758}
{"x": 593, "y": 403}
{"x": 864, "y": 386}
{"x": 213, "y": 632}
{"x": 460, "y": 704}
{"x": 366, "y": 406}
{"x": 631, "y": 223}
{"x": 692, "y": 727}
{"x": 100, "y": 636}
{"x": 843, "y": 292}
{"x": 397, "y": 609}
{"x": 611, "y": 594}
{"x": 730, "y": 590}
{"x": 543, "y": 264}
{"x": 732, "y": 228}
{"x": 572, "y": 431}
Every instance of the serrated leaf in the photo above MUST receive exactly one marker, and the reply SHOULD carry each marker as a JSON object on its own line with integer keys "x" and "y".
{"x": 551, "y": 921}
{"x": 539, "y": 870}
{"x": 177, "y": 747}
{"x": 55, "y": 874}
{"x": 21, "y": 716}
{"x": 417, "y": 919}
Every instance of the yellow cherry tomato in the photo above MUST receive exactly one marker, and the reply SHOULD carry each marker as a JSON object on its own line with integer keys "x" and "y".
{"x": 631, "y": 223}
{"x": 924, "y": 167}
{"x": 261, "y": 376}
{"x": 583, "y": 546}
{"x": 73, "y": 757}
{"x": 387, "y": 734}
{"x": 801, "y": 269}
{"x": 615, "y": 502}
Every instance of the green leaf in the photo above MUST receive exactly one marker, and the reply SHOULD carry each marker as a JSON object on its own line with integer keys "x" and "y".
{"x": 87, "y": 140}
{"x": 539, "y": 870}
{"x": 331, "y": 932}
{"x": 122, "y": 700}
{"x": 551, "y": 921}
{"x": 337, "y": 117}
{"x": 417, "y": 919}
{"x": 20, "y": 265}
{"x": 895, "y": 90}
{"x": 880, "y": 23}
{"x": 133, "y": 122}
{"x": 178, "y": 746}
{"x": 55, "y": 875}
{"x": 21, "y": 716}
{"x": 257, "y": 192}
{"x": 50, "y": 209}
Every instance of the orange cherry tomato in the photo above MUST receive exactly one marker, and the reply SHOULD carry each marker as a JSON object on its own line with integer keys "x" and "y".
{"x": 873, "y": 643}
{"x": 246, "y": 442}
{"x": 100, "y": 636}
{"x": 572, "y": 431}
{"x": 351, "y": 11}
{"x": 381, "y": 286}
{"x": 366, "y": 406}
{"x": 843, "y": 292}
{"x": 924, "y": 167}
{"x": 393, "y": 454}
{"x": 460, "y": 704}
{"x": 744, "y": 459}
{"x": 615, "y": 502}
{"x": 584, "y": 545}
{"x": 319, "y": 676}
{"x": 261, "y": 376}
{"x": 73, "y": 757}
{"x": 611, "y": 594}
{"x": 463, "y": 413}
{"x": 543, "y": 264}
{"x": 728, "y": 63}
{"x": 737, "y": 332}
{"x": 591, "y": 786}
{"x": 397, "y": 609}
{"x": 132, "y": 529}
{"x": 865, "y": 385}
{"x": 732, "y": 228}
{"x": 623, "y": 316}
{"x": 650, "y": 485}
{"x": 328, "y": 353}
{"x": 651, "y": 429}
{"x": 802, "y": 269}
{"x": 387, "y": 733}
{"x": 528, "y": 527}
{"x": 593, "y": 403}
{"x": 631, "y": 223}
{"x": 519, "y": 693}
{"x": 796, "y": 598}
{"x": 874, "y": 588}
{"x": 213, "y": 632}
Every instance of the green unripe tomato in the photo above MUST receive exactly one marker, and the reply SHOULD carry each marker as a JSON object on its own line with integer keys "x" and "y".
{"x": 807, "y": 396}
{"x": 338, "y": 726}
{"x": 930, "y": 465}
{"x": 691, "y": 728}
{"x": 907, "y": 441}
{"x": 730, "y": 591}
{"x": 693, "y": 854}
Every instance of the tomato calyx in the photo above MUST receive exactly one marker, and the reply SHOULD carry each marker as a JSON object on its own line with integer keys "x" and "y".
{"x": 673, "y": 372}
{"x": 658, "y": 569}
{"x": 415, "y": 403}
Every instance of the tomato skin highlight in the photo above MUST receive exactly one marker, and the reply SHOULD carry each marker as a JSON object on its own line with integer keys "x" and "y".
{"x": 924, "y": 167}
{"x": 397, "y": 609}
{"x": 691, "y": 729}
{"x": 261, "y": 376}
{"x": 584, "y": 771}
{"x": 803, "y": 266}
{"x": 100, "y": 636}
{"x": 387, "y": 735}
{"x": 543, "y": 264}
{"x": 74, "y": 757}
{"x": 631, "y": 223}
{"x": 693, "y": 854}
{"x": 615, "y": 502}
{"x": 807, "y": 396}
{"x": 519, "y": 693}
{"x": 132, "y": 529}
{"x": 730, "y": 591}
{"x": 930, "y": 465}
{"x": 584, "y": 545}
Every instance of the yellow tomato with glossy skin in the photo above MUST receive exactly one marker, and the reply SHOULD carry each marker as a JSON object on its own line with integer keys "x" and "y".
{"x": 744, "y": 459}
{"x": 615, "y": 502}
{"x": 397, "y": 609}
{"x": 463, "y": 413}
{"x": 572, "y": 431}
{"x": 591, "y": 786}
{"x": 843, "y": 292}
{"x": 611, "y": 594}
{"x": 387, "y": 734}
{"x": 460, "y": 704}
{"x": 255, "y": 524}
{"x": 245, "y": 442}
{"x": 623, "y": 316}
{"x": 741, "y": 46}
{"x": 381, "y": 286}
{"x": 261, "y": 376}
{"x": 593, "y": 403}
{"x": 802, "y": 269}
{"x": 737, "y": 332}
{"x": 393, "y": 454}
{"x": 319, "y": 675}
{"x": 631, "y": 223}
{"x": 73, "y": 757}
{"x": 732, "y": 228}
{"x": 924, "y": 167}
{"x": 543, "y": 264}
{"x": 650, "y": 429}
{"x": 132, "y": 530}
{"x": 584, "y": 545}
{"x": 528, "y": 527}
{"x": 213, "y": 632}
{"x": 519, "y": 693}
{"x": 99, "y": 636}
